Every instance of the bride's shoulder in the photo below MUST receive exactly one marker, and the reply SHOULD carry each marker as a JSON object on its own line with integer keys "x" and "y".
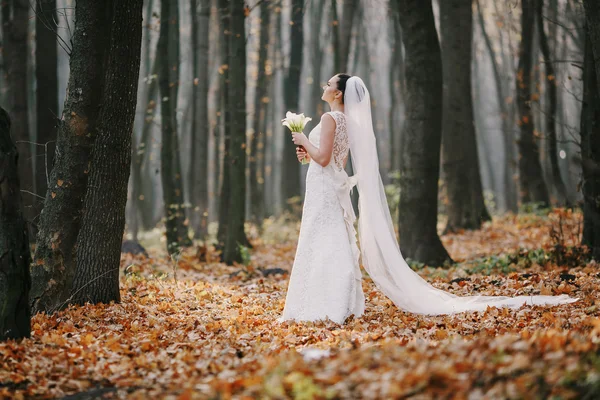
{"x": 336, "y": 116}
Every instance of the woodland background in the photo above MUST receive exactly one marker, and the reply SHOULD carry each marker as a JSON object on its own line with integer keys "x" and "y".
{"x": 159, "y": 122}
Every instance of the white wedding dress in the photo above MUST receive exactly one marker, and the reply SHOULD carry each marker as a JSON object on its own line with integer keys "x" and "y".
{"x": 326, "y": 279}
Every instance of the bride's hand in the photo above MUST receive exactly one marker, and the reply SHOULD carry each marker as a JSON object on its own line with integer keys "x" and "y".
{"x": 299, "y": 138}
{"x": 302, "y": 154}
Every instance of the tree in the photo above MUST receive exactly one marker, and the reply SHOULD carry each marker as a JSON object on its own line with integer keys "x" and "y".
{"x": 396, "y": 77}
{"x": 460, "y": 162}
{"x": 14, "y": 243}
{"x": 200, "y": 122}
{"x": 225, "y": 189}
{"x": 258, "y": 141}
{"x": 55, "y": 256}
{"x": 590, "y": 135}
{"x": 235, "y": 157}
{"x": 168, "y": 82}
{"x": 507, "y": 134}
{"x": 15, "y": 20}
{"x": 342, "y": 33}
{"x": 592, "y": 14}
{"x": 550, "y": 114}
{"x": 46, "y": 77}
{"x": 421, "y": 139}
{"x": 101, "y": 235}
{"x": 291, "y": 166}
{"x": 533, "y": 188}
{"x": 141, "y": 200}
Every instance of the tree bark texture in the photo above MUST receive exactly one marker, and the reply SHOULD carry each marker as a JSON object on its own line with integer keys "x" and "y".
{"x": 590, "y": 144}
{"x": 257, "y": 144}
{"x": 46, "y": 76}
{"x": 15, "y": 21}
{"x": 460, "y": 161}
{"x": 236, "y": 158}
{"x": 168, "y": 82}
{"x": 532, "y": 184}
{"x": 225, "y": 190}
{"x": 55, "y": 256}
{"x": 291, "y": 166}
{"x": 552, "y": 100}
{"x": 14, "y": 243}
{"x": 421, "y": 139}
{"x": 101, "y": 234}
{"x": 200, "y": 120}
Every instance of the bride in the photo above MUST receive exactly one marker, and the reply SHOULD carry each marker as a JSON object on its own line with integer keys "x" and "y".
{"x": 326, "y": 279}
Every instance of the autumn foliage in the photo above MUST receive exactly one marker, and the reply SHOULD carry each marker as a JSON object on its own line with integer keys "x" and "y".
{"x": 188, "y": 328}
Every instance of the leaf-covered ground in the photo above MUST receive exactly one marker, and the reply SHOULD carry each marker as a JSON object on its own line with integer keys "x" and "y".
{"x": 199, "y": 329}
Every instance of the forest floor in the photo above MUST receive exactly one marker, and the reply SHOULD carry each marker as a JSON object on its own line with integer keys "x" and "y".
{"x": 196, "y": 328}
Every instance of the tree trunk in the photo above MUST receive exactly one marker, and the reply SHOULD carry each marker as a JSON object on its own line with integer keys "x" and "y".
{"x": 550, "y": 114}
{"x": 466, "y": 208}
{"x": 46, "y": 76}
{"x": 14, "y": 243}
{"x": 236, "y": 157}
{"x": 533, "y": 188}
{"x": 396, "y": 85}
{"x": 101, "y": 235}
{"x": 291, "y": 166}
{"x": 55, "y": 256}
{"x": 168, "y": 82}
{"x": 138, "y": 209}
{"x": 142, "y": 193}
{"x": 225, "y": 190}
{"x": 343, "y": 30}
{"x": 592, "y": 14}
{"x": 200, "y": 122}
{"x": 590, "y": 136}
{"x": 257, "y": 145}
{"x": 421, "y": 139}
{"x": 507, "y": 135}
{"x": 15, "y": 21}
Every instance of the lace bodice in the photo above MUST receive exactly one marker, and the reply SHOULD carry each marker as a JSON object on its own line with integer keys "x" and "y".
{"x": 341, "y": 144}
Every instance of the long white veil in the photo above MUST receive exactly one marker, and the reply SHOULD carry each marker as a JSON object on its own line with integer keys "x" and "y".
{"x": 381, "y": 254}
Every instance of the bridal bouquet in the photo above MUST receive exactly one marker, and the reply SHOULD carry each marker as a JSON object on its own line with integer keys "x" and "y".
{"x": 296, "y": 123}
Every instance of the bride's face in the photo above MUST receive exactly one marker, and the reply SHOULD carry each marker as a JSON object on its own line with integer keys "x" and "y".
{"x": 330, "y": 90}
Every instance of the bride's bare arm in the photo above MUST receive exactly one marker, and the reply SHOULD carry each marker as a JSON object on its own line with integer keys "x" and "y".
{"x": 323, "y": 154}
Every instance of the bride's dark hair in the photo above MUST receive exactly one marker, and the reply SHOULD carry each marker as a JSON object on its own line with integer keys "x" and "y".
{"x": 341, "y": 84}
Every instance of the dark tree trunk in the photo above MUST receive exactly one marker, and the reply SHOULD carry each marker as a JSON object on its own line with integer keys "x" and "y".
{"x": 291, "y": 166}
{"x": 15, "y": 21}
{"x": 14, "y": 243}
{"x": 466, "y": 208}
{"x": 592, "y": 14}
{"x": 200, "y": 122}
{"x": 552, "y": 99}
{"x": 139, "y": 201}
{"x": 143, "y": 193}
{"x": 46, "y": 76}
{"x": 55, "y": 256}
{"x": 590, "y": 136}
{"x": 421, "y": 139}
{"x": 343, "y": 32}
{"x": 101, "y": 235}
{"x": 507, "y": 134}
{"x": 225, "y": 189}
{"x": 168, "y": 82}
{"x": 396, "y": 86}
{"x": 533, "y": 188}
{"x": 257, "y": 145}
{"x": 236, "y": 156}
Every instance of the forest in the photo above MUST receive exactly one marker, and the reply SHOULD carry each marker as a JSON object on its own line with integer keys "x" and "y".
{"x": 151, "y": 200}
